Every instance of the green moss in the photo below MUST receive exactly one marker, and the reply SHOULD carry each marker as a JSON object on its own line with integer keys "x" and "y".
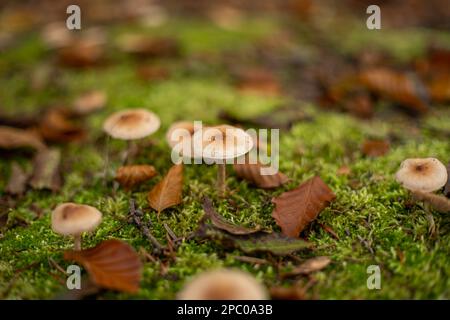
{"x": 371, "y": 215}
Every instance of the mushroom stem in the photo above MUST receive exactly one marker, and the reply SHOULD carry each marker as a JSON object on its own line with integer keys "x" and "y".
{"x": 77, "y": 242}
{"x": 221, "y": 175}
{"x": 128, "y": 155}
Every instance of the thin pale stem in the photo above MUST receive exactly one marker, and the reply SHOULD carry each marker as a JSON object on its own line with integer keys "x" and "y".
{"x": 77, "y": 242}
{"x": 221, "y": 176}
{"x": 106, "y": 169}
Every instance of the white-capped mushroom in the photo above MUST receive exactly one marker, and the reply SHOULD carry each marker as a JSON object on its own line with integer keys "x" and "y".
{"x": 422, "y": 174}
{"x": 223, "y": 284}
{"x": 131, "y": 124}
{"x": 219, "y": 145}
{"x": 71, "y": 219}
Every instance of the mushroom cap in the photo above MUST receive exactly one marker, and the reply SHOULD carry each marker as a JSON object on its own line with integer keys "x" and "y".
{"x": 186, "y": 125}
{"x": 131, "y": 124}
{"x": 73, "y": 219}
{"x": 223, "y": 284}
{"x": 221, "y": 142}
{"x": 426, "y": 175}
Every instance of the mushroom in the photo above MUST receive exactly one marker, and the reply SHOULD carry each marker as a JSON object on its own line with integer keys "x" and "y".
{"x": 71, "y": 219}
{"x": 424, "y": 175}
{"x": 223, "y": 284}
{"x": 179, "y": 138}
{"x": 131, "y": 124}
{"x": 219, "y": 145}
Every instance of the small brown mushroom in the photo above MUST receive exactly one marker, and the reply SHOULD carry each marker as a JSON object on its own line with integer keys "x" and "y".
{"x": 71, "y": 219}
{"x": 131, "y": 124}
{"x": 219, "y": 145}
{"x": 223, "y": 284}
{"x": 425, "y": 175}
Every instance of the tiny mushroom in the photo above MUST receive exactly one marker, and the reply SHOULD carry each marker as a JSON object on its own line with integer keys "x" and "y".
{"x": 424, "y": 175}
{"x": 71, "y": 219}
{"x": 131, "y": 124}
{"x": 223, "y": 284}
{"x": 219, "y": 145}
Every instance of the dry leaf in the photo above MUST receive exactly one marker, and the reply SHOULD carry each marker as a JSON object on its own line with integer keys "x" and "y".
{"x": 252, "y": 173}
{"x": 397, "y": 87}
{"x": 17, "y": 180}
{"x": 309, "y": 266}
{"x": 295, "y": 209}
{"x": 132, "y": 175}
{"x": 291, "y": 293}
{"x": 11, "y": 138}
{"x": 168, "y": 192}
{"x": 113, "y": 264}
{"x": 439, "y": 88}
{"x": 439, "y": 203}
{"x": 375, "y": 148}
{"x": 147, "y": 47}
{"x": 89, "y": 102}
{"x": 81, "y": 53}
{"x": 258, "y": 81}
{"x": 152, "y": 73}
{"x": 221, "y": 223}
{"x": 56, "y": 126}
{"x": 46, "y": 165}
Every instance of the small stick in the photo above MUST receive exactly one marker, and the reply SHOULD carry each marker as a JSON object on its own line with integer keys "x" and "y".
{"x": 137, "y": 220}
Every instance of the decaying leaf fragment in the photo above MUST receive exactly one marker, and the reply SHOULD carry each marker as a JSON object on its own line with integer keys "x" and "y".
{"x": 252, "y": 173}
{"x": 168, "y": 192}
{"x": 221, "y": 223}
{"x": 309, "y": 266}
{"x": 17, "y": 180}
{"x": 57, "y": 126}
{"x": 375, "y": 147}
{"x": 12, "y": 138}
{"x": 295, "y": 209}
{"x": 132, "y": 175}
{"x": 113, "y": 264}
{"x": 46, "y": 166}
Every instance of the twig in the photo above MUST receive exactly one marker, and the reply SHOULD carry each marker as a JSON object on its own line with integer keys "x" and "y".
{"x": 136, "y": 216}
{"x": 56, "y": 265}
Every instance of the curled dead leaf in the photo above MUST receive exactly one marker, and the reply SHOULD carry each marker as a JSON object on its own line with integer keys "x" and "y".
{"x": 12, "y": 138}
{"x": 132, "y": 175}
{"x": 289, "y": 293}
{"x": 375, "y": 148}
{"x": 221, "y": 223}
{"x": 113, "y": 264}
{"x": 309, "y": 266}
{"x": 253, "y": 174}
{"x": 56, "y": 126}
{"x": 168, "y": 192}
{"x": 295, "y": 209}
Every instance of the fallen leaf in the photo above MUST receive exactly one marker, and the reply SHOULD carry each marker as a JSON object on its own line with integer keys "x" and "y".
{"x": 221, "y": 223}
{"x": 309, "y": 266}
{"x": 168, "y": 192}
{"x": 113, "y": 264}
{"x": 17, "y": 180}
{"x": 439, "y": 88}
{"x": 439, "y": 203}
{"x": 252, "y": 173}
{"x": 295, "y": 209}
{"x": 89, "y": 102}
{"x": 148, "y": 47}
{"x": 46, "y": 165}
{"x": 290, "y": 293}
{"x": 274, "y": 243}
{"x": 11, "y": 138}
{"x": 81, "y": 54}
{"x": 152, "y": 73}
{"x": 259, "y": 81}
{"x": 360, "y": 105}
{"x": 56, "y": 126}
{"x": 132, "y": 175}
{"x": 396, "y": 86}
{"x": 375, "y": 148}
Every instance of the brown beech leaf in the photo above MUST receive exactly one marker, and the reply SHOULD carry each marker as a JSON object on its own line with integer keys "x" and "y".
{"x": 132, "y": 175}
{"x": 221, "y": 223}
{"x": 309, "y": 266}
{"x": 397, "y": 87}
{"x": 252, "y": 173}
{"x": 17, "y": 180}
{"x": 56, "y": 126}
{"x": 375, "y": 148}
{"x": 439, "y": 203}
{"x": 89, "y": 102}
{"x": 113, "y": 264}
{"x": 46, "y": 171}
{"x": 295, "y": 209}
{"x": 168, "y": 192}
{"x": 12, "y": 138}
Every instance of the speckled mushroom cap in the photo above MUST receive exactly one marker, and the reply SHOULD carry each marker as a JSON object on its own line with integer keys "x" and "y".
{"x": 73, "y": 219}
{"x": 221, "y": 142}
{"x": 223, "y": 284}
{"x": 131, "y": 124}
{"x": 426, "y": 175}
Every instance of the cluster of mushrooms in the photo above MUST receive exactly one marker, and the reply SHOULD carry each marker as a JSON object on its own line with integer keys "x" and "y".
{"x": 69, "y": 219}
